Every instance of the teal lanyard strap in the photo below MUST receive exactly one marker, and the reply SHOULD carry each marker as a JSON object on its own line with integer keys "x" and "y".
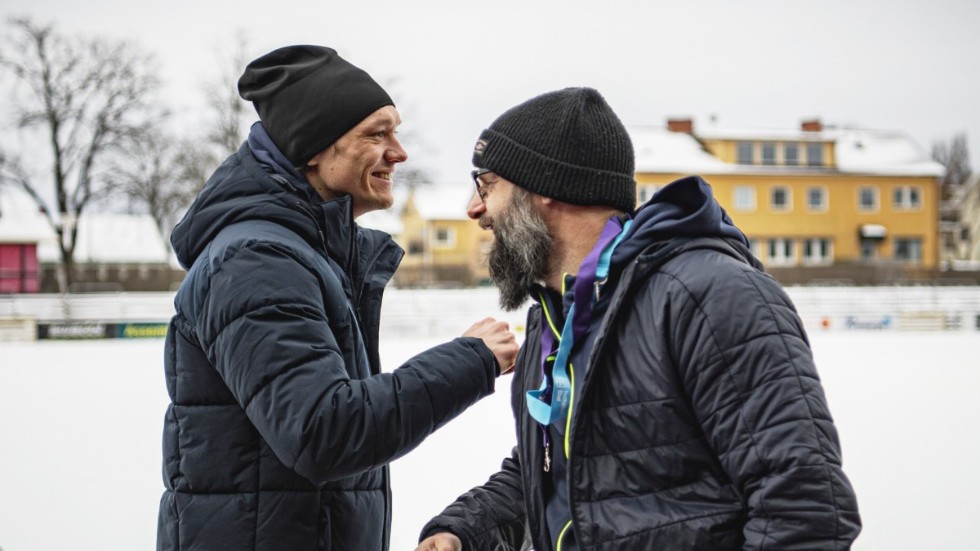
{"x": 550, "y": 403}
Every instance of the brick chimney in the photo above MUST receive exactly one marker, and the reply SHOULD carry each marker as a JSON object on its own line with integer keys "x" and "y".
{"x": 812, "y": 125}
{"x": 681, "y": 125}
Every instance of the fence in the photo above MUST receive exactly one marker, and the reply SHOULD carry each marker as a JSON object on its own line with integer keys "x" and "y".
{"x": 430, "y": 312}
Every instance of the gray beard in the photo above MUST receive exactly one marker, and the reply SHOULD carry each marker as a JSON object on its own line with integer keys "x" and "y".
{"x": 521, "y": 248}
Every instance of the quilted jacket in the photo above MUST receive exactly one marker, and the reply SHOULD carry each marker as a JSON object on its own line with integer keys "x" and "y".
{"x": 281, "y": 422}
{"x": 698, "y": 418}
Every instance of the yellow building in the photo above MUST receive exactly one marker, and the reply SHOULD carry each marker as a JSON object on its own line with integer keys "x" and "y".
{"x": 816, "y": 203}
{"x": 442, "y": 246}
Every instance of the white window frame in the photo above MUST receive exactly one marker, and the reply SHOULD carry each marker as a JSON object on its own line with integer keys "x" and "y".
{"x": 876, "y": 194}
{"x": 447, "y": 240}
{"x": 811, "y": 147}
{"x": 816, "y": 244}
{"x": 786, "y": 147}
{"x": 905, "y": 201}
{"x": 917, "y": 249}
{"x": 824, "y": 199}
{"x": 738, "y": 153}
{"x": 765, "y": 147}
{"x": 785, "y": 252}
{"x": 788, "y": 207}
{"x": 743, "y": 198}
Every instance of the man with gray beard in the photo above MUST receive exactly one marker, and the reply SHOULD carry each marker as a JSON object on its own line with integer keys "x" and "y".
{"x": 519, "y": 255}
{"x": 665, "y": 395}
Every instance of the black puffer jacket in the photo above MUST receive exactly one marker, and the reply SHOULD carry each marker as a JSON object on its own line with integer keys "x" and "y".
{"x": 281, "y": 424}
{"x": 700, "y": 423}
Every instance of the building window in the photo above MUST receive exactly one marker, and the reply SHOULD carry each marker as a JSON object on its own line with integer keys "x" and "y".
{"x": 906, "y": 198}
{"x": 817, "y": 252}
{"x": 755, "y": 245}
{"x": 415, "y": 247}
{"x": 814, "y": 154}
{"x": 791, "y": 154}
{"x": 780, "y": 252}
{"x": 868, "y": 198}
{"x": 445, "y": 237}
{"x": 647, "y": 191}
{"x": 744, "y": 198}
{"x": 744, "y": 153}
{"x": 780, "y": 198}
{"x": 908, "y": 249}
{"x": 816, "y": 198}
{"x": 768, "y": 153}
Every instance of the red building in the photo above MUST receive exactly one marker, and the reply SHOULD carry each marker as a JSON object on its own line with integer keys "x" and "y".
{"x": 22, "y": 228}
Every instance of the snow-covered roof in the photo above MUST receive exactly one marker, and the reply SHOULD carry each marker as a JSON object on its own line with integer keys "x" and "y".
{"x": 103, "y": 238}
{"x": 660, "y": 150}
{"x": 113, "y": 238}
{"x": 883, "y": 152}
{"x": 444, "y": 201}
{"x": 20, "y": 218}
{"x": 386, "y": 220}
{"x": 857, "y": 151}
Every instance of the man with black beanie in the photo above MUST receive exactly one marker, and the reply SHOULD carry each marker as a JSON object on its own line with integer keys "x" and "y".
{"x": 665, "y": 395}
{"x": 281, "y": 423}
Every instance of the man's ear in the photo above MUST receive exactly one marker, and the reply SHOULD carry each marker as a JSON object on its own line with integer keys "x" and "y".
{"x": 314, "y": 161}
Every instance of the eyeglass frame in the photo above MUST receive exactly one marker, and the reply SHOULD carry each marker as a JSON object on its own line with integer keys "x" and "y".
{"x": 480, "y": 187}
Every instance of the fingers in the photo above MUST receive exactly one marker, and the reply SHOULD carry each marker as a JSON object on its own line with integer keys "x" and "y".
{"x": 499, "y": 339}
{"x": 440, "y": 542}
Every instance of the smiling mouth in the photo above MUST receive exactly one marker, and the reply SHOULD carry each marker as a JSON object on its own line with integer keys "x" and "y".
{"x": 382, "y": 175}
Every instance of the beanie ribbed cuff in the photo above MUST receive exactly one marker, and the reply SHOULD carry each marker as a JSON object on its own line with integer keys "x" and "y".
{"x": 578, "y": 185}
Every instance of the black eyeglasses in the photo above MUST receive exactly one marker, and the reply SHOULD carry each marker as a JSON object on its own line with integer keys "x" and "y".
{"x": 481, "y": 188}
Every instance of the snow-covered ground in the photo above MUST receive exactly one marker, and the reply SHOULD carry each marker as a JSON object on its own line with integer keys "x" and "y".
{"x": 80, "y": 432}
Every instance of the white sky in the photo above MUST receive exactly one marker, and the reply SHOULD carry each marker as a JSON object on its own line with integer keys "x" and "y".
{"x": 907, "y": 64}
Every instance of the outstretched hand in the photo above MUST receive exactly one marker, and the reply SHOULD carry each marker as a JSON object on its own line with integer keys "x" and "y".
{"x": 443, "y": 541}
{"x": 499, "y": 339}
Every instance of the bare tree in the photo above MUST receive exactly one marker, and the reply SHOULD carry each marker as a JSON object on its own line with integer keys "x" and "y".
{"x": 86, "y": 98}
{"x": 229, "y": 113}
{"x": 160, "y": 175}
{"x": 955, "y": 156}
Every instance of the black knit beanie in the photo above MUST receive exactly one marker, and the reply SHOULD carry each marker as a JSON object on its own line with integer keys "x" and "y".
{"x": 567, "y": 145}
{"x": 307, "y": 97}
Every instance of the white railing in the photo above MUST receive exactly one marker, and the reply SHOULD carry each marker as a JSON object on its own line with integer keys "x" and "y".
{"x": 438, "y": 311}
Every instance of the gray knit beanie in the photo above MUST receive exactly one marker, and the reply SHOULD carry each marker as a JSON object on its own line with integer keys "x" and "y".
{"x": 568, "y": 145}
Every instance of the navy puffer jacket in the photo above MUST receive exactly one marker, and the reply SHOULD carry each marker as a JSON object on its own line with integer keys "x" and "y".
{"x": 281, "y": 423}
{"x": 700, "y": 422}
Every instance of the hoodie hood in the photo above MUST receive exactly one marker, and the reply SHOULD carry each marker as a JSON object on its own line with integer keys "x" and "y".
{"x": 683, "y": 208}
{"x": 243, "y": 189}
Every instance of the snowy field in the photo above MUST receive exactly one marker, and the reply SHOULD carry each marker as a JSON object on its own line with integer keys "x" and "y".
{"x": 80, "y": 431}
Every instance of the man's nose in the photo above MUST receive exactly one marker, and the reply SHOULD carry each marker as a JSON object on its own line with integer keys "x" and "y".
{"x": 476, "y": 208}
{"x": 395, "y": 152}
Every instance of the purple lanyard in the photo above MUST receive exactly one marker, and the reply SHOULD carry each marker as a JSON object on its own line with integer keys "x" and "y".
{"x": 549, "y": 404}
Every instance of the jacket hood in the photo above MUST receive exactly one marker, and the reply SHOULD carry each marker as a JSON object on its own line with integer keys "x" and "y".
{"x": 683, "y": 208}
{"x": 243, "y": 189}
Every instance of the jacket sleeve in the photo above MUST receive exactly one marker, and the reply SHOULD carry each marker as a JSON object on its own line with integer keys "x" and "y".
{"x": 264, "y": 327}
{"x": 488, "y": 517}
{"x": 746, "y": 364}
